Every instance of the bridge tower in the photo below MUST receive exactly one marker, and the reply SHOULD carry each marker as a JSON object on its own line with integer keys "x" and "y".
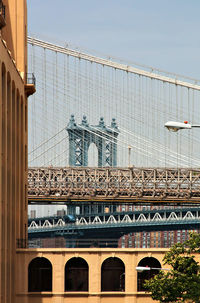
{"x": 82, "y": 135}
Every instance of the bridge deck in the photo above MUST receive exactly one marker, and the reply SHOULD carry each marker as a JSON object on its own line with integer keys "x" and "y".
{"x": 150, "y": 220}
{"x": 113, "y": 184}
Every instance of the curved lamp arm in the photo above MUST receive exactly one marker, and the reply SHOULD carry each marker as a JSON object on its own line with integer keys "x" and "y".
{"x": 143, "y": 268}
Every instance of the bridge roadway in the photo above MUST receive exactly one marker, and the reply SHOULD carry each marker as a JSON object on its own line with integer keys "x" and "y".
{"x": 115, "y": 224}
{"x": 69, "y": 185}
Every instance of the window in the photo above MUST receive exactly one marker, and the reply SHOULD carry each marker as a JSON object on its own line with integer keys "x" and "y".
{"x": 40, "y": 275}
{"x": 113, "y": 275}
{"x": 76, "y": 275}
{"x": 147, "y": 274}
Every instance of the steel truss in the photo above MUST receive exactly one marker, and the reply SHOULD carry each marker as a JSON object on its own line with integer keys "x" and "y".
{"x": 135, "y": 217}
{"x": 165, "y": 219}
{"x": 114, "y": 184}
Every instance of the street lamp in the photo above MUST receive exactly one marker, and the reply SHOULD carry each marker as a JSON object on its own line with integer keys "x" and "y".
{"x": 144, "y": 268}
{"x": 146, "y": 273}
{"x": 175, "y": 126}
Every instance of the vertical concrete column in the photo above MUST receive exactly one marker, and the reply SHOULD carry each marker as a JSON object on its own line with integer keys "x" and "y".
{"x": 24, "y": 171}
{"x": 94, "y": 277}
{"x": 18, "y": 22}
{"x": 130, "y": 278}
{"x": 21, "y": 272}
{"x": 58, "y": 268}
{"x": 4, "y": 188}
{"x": 26, "y": 168}
{"x": 13, "y": 181}
{"x": 9, "y": 210}
{"x": 17, "y": 193}
{"x": 22, "y": 168}
{"x": 0, "y": 173}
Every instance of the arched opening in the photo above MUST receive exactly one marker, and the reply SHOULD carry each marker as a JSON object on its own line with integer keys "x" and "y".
{"x": 76, "y": 275}
{"x": 147, "y": 274}
{"x": 113, "y": 275}
{"x": 40, "y": 275}
{"x": 92, "y": 155}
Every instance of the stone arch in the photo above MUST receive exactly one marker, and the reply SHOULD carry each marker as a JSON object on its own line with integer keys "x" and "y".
{"x": 3, "y": 81}
{"x": 40, "y": 275}
{"x": 8, "y": 77}
{"x": 113, "y": 275}
{"x": 76, "y": 275}
{"x": 147, "y": 274}
{"x": 13, "y": 85}
{"x": 3, "y": 68}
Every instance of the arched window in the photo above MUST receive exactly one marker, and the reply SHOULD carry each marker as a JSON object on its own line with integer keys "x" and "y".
{"x": 40, "y": 275}
{"x": 147, "y": 274}
{"x": 113, "y": 275}
{"x": 76, "y": 275}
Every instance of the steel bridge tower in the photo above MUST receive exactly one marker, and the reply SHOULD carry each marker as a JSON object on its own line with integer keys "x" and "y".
{"x": 82, "y": 135}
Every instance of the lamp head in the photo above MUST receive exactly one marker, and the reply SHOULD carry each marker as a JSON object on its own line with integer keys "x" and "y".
{"x": 175, "y": 126}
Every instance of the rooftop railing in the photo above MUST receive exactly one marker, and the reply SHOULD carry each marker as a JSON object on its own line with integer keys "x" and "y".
{"x": 30, "y": 78}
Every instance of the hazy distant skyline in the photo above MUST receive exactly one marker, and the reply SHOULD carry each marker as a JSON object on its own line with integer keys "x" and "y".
{"x": 162, "y": 34}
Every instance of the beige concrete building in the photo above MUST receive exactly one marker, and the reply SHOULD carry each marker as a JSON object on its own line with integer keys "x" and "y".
{"x": 103, "y": 275}
{"x": 13, "y": 136}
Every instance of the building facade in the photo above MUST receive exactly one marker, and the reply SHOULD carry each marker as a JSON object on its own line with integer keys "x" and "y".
{"x": 84, "y": 275}
{"x": 14, "y": 90}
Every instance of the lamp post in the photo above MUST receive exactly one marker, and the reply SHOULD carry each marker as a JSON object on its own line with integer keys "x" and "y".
{"x": 129, "y": 156}
{"x": 175, "y": 126}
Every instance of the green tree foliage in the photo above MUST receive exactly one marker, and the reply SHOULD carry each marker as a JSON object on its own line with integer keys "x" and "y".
{"x": 182, "y": 282}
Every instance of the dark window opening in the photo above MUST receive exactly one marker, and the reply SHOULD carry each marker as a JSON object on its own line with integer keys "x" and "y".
{"x": 147, "y": 274}
{"x": 76, "y": 275}
{"x": 113, "y": 275}
{"x": 40, "y": 275}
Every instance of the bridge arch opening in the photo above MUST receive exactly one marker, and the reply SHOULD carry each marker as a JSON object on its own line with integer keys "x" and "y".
{"x": 76, "y": 275}
{"x": 113, "y": 275}
{"x": 39, "y": 275}
{"x": 147, "y": 274}
{"x": 93, "y": 154}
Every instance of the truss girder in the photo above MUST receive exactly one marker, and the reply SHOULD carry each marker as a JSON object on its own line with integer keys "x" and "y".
{"x": 165, "y": 218}
{"x": 114, "y": 183}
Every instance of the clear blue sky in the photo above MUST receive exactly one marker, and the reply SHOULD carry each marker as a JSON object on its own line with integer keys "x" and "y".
{"x": 159, "y": 33}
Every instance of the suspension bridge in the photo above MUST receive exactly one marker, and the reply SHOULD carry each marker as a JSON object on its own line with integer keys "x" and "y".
{"x": 140, "y": 99}
{"x": 96, "y": 135}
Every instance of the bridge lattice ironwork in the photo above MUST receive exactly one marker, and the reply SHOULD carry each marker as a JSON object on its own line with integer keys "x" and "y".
{"x": 114, "y": 184}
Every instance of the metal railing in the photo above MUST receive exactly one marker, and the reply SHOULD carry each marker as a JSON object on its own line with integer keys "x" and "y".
{"x": 22, "y": 243}
{"x": 30, "y": 78}
{"x": 58, "y": 242}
